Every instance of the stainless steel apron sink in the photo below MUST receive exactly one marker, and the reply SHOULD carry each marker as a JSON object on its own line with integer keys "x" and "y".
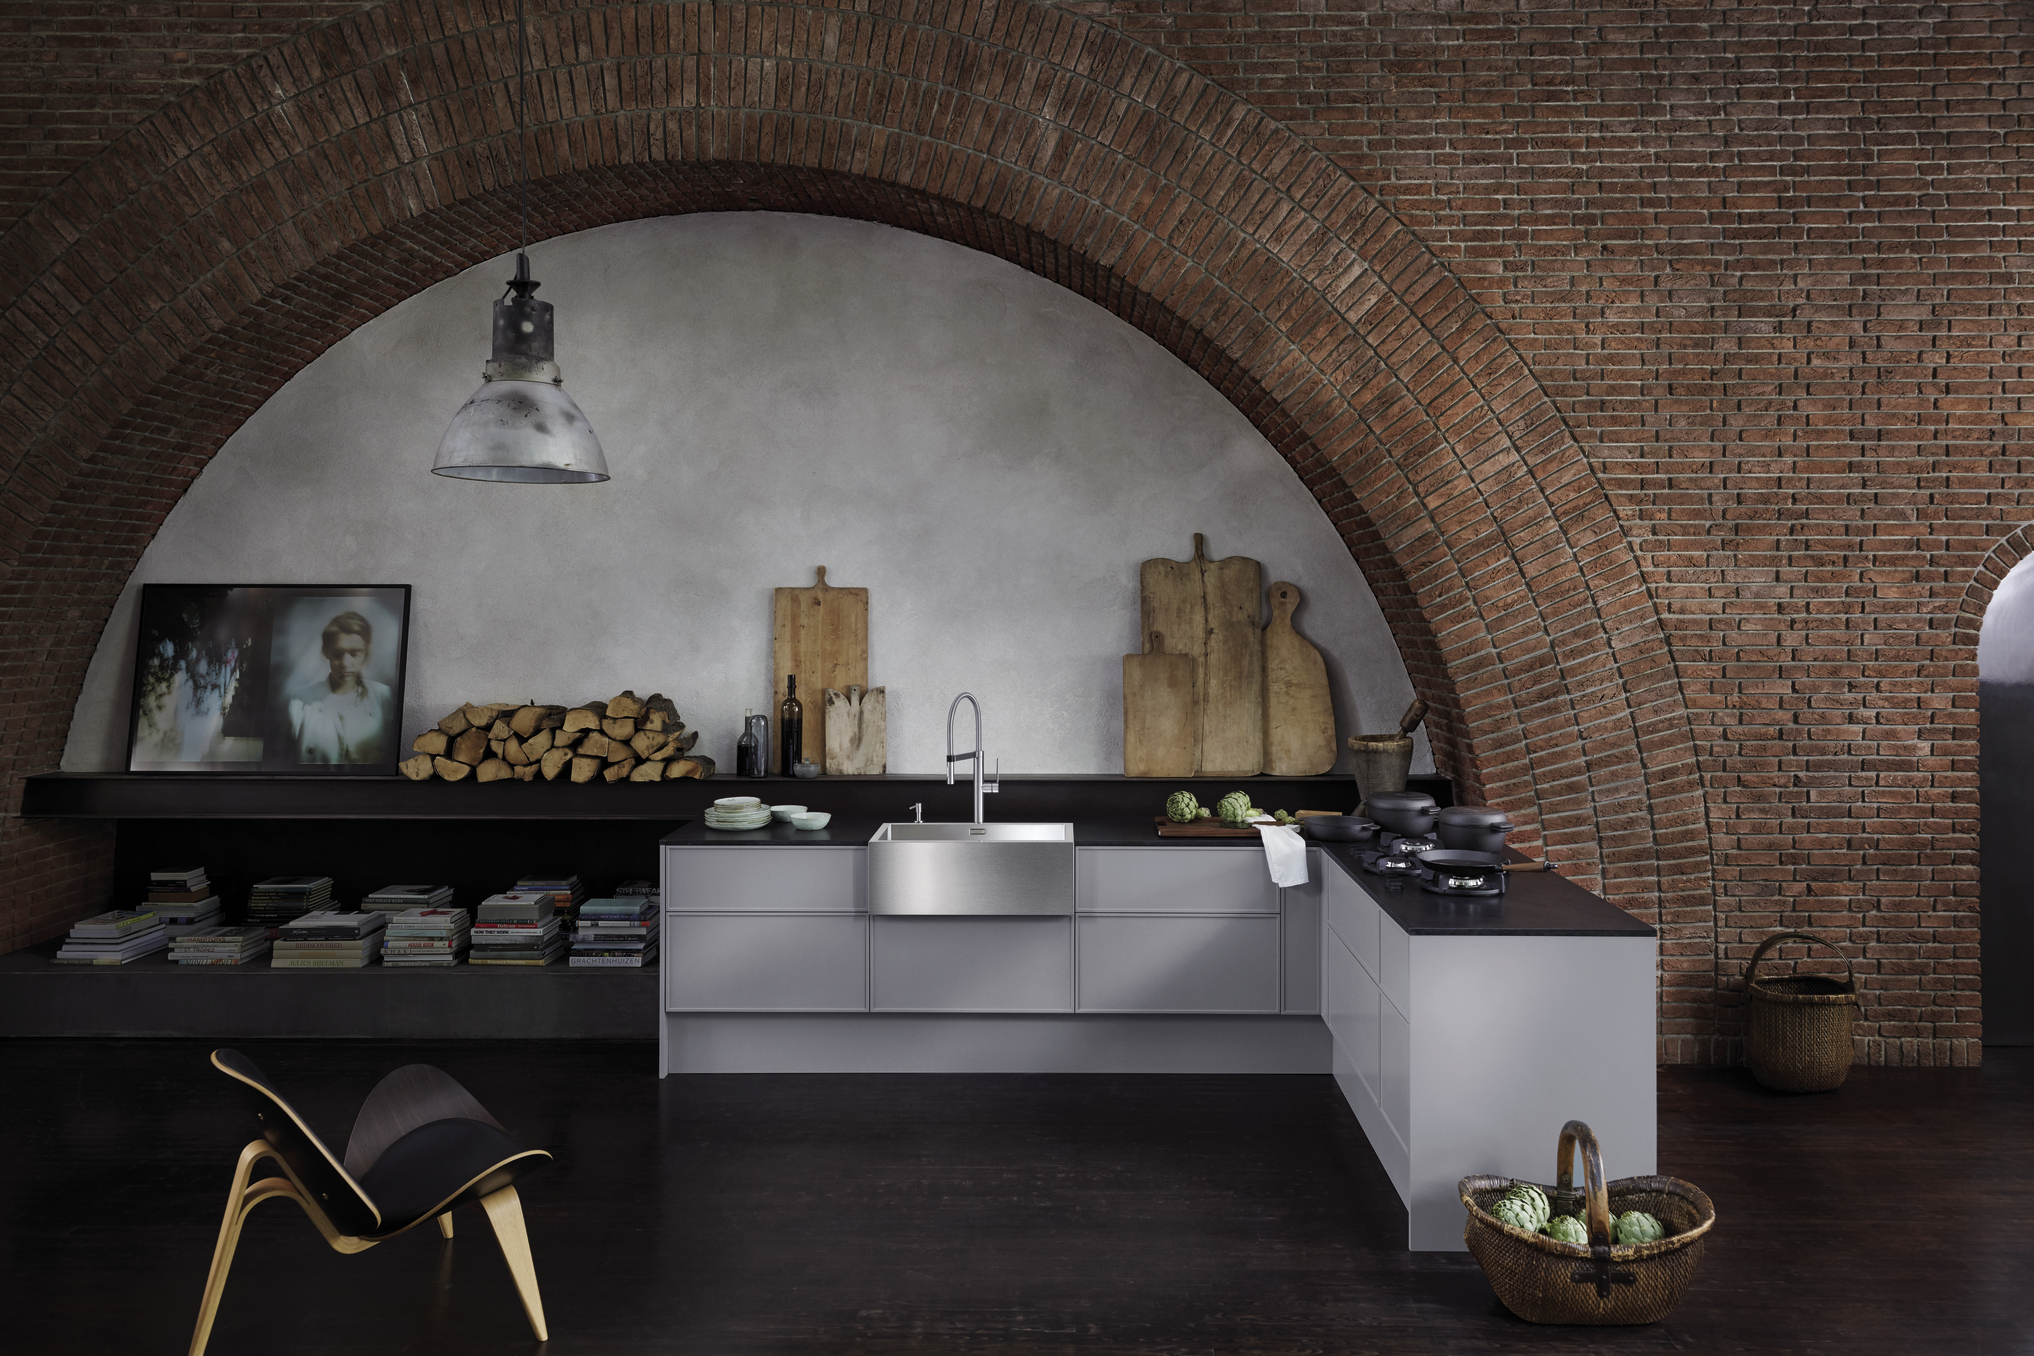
{"x": 972, "y": 869}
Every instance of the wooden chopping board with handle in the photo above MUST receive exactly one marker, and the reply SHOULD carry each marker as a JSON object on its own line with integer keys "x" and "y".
{"x": 1299, "y": 717}
{"x": 1213, "y": 611}
{"x": 822, "y": 636}
{"x": 1160, "y": 726}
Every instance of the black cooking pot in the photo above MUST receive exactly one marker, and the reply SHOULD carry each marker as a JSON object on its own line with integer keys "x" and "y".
{"x": 1407, "y": 812}
{"x": 1472, "y": 828}
{"x": 1338, "y": 828}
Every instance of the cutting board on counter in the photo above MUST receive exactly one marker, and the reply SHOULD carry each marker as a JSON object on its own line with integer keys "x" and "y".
{"x": 1160, "y": 729}
{"x": 857, "y": 732}
{"x": 822, "y": 636}
{"x": 1299, "y": 717}
{"x": 1204, "y": 829}
{"x": 1213, "y": 611}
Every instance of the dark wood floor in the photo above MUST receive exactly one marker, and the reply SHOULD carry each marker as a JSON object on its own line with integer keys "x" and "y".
{"x": 872, "y": 1215}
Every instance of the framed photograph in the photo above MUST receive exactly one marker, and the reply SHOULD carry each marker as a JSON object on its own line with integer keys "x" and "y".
{"x": 270, "y": 678}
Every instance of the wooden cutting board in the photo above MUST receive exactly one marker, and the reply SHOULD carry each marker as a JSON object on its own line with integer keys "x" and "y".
{"x": 1299, "y": 718}
{"x": 1221, "y": 603}
{"x": 1159, "y": 724}
{"x": 822, "y": 636}
{"x": 857, "y": 733}
{"x": 1204, "y": 828}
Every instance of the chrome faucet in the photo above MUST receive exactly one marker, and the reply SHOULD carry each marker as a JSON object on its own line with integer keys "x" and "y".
{"x": 982, "y": 788}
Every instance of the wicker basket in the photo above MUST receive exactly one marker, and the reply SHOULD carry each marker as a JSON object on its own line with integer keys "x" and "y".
{"x": 1544, "y": 1280}
{"x": 1797, "y": 1036}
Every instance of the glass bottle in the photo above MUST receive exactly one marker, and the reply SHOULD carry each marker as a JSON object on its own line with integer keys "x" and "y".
{"x": 747, "y": 748}
{"x": 791, "y": 725}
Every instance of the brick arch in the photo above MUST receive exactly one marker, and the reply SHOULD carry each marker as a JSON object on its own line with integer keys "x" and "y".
{"x": 2008, "y": 551}
{"x": 159, "y": 296}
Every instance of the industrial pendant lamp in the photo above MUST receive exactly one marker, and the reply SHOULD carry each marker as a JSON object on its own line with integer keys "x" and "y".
{"x": 520, "y": 426}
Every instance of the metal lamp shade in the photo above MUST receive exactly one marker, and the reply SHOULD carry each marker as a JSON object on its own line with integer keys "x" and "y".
{"x": 523, "y": 432}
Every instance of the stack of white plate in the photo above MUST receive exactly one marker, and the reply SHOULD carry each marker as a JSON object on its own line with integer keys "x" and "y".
{"x": 737, "y": 812}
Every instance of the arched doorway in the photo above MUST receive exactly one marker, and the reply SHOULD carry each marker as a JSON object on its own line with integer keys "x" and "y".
{"x": 2006, "y": 805}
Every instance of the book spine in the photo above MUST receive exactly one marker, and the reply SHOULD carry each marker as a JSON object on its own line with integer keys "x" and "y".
{"x": 316, "y": 963}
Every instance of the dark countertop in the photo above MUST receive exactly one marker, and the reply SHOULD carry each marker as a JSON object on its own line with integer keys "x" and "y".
{"x": 1536, "y": 904}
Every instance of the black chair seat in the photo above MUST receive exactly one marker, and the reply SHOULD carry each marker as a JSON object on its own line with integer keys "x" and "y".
{"x": 440, "y": 1164}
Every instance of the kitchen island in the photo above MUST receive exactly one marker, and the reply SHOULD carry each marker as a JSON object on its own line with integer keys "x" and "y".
{"x": 1463, "y": 1032}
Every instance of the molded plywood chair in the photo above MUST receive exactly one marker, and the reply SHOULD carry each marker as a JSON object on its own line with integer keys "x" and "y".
{"x": 420, "y": 1146}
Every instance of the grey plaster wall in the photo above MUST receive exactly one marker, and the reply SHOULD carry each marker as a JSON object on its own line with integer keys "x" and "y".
{"x": 989, "y": 454}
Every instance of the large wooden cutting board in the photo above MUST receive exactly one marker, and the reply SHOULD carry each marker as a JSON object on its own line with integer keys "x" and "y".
{"x": 822, "y": 636}
{"x": 1299, "y": 717}
{"x": 1159, "y": 722}
{"x": 1213, "y": 610}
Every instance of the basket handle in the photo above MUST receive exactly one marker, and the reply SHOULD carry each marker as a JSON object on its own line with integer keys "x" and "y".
{"x": 1596, "y": 1196}
{"x": 1779, "y": 938}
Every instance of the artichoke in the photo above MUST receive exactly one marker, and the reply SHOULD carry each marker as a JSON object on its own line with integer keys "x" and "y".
{"x": 1239, "y": 799}
{"x": 1636, "y": 1226}
{"x": 1568, "y": 1229}
{"x": 1522, "y": 1207}
{"x": 1182, "y": 808}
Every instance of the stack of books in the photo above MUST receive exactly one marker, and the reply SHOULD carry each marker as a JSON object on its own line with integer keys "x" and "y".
{"x": 617, "y": 934}
{"x": 517, "y": 929}
{"x": 394, "y": 899}
{"x": 113, "y": 938}
{"x": 564, "y": 889}
{"x": 421, "y": 937}
{"x": 280, "y": 899}
{"x": 329, "y": 941}
{"x": 183, "y": 899}
{"x": 220, "y": 946}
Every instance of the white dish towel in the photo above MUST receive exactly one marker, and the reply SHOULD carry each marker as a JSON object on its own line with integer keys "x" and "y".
{"x": 1285, "y": 852}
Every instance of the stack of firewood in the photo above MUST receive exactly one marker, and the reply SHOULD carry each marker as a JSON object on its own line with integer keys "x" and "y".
{"x": 626, "y": 738}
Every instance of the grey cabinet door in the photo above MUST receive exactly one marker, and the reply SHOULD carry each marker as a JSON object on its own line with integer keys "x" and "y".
{"x": 1351, "y": 1008}
{"x": 1006, "y": 964}
{"x": 765, "y": 962}
{"x": 1301, "y": 905}
{"x": 1173, "y": 880}
{"x": 1351, "y": 913}
{"x": 1129, "y": 964}
{"x": 770, "y": 879}
{"x": 1394, "y": 1068}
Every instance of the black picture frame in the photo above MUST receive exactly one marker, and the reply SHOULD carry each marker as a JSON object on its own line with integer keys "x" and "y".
{"x": 269, "y": 680}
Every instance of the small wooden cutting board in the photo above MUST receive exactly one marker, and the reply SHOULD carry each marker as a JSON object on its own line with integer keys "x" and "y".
{"x": 1203, "y": 828}
{"x": 1159, "y": 727}
{"x": 1299, "y": 717}
{"x": 857, "y": 733}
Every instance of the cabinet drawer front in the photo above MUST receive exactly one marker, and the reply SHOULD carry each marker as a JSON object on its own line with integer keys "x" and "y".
{"x": 1174, "y": 880}
{"x": 1394, "y": 1070}
{"x": 1178, "y": 964}
{"x": 1394, "y": 964}
{"x": 765, "y": 963}
{"x": 789, "y": 879}
{"x": 1009, "y": 964}
{"x": 1353, "y": 915}
{"x": 1350, "y": 1005}
{"x": 1301, "y": 905}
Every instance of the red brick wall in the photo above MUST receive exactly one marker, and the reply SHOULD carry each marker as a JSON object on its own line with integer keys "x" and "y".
{"x": 1763, "y": 264}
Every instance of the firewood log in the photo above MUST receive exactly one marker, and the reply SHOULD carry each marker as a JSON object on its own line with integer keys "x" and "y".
{"x": 527, "y": 772}
{"x": 585, "y": 717}
{"x": 648, "y": 772}
{"x": 616, "y": 771}
{"x": 495, "y": 747}
{"x": 493, "y": 770}
{"x": 432, "y": 742}
{"x": 554, "y": 762}
{"x": 685, "y": 740}
{"x": 624, "y": 707}
{"x": 565, "y": 739}
{"x": 623, "y": 729}
{"x": 655, "y": 721}
{"x": 470, "y": 747}
{"x": 480, "y": 716}
{"x": 455, "y": 724}
{"x": 647, "y": 743}
{"x": 417, "y": 769}
{"x": 539, "y": 744}
{"x": 594, "y": 745}
{"x": 618, "y": 749}
{"x": 514, "y": 752}
{"x": 586, "y": 769}
{"x": 552, "y": 719}
{"x": 451, "y": 769}
{"x": 524, "y": 722}
{"x": 659, "y": 704}
{"x": 499, "y": 730}
{"x": 700, "y": 766}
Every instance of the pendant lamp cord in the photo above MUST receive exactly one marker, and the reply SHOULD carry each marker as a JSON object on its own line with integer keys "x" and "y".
{"x": 522, "y": 117}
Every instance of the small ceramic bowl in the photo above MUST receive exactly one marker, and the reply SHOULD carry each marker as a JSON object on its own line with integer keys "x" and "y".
{"x": 805, "y": 769}
{"x": 786, "y": 813}
{"x": 812, "y": 819}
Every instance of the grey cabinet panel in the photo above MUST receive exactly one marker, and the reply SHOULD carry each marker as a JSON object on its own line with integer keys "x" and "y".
{"x": 1006, "y": 964}
{"x": 1350, "y": 1004}
{"x": 1301, "y": 905}
{"x": 787, "y": 879}
{"x": 1352, "y": 914}
{"x": 1173, "y": 880}
{"x": 1394, "y": 963}
{"x": 1394, "y": 1069}
{"x": 1178, "y": 964}
{"x": 765, "y": 962}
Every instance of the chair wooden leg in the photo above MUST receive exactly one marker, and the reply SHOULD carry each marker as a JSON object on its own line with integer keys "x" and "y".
{"x": 237, "y": 1207}
{"x": 505, "y": 1212}
{"x": 445, "y": 1224}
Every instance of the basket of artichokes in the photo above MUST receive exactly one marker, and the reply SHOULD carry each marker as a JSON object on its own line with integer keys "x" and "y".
{"x": 1613, "y": 1253}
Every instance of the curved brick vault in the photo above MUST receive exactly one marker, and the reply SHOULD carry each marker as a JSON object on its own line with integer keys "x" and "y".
{"x": 157, "y": 298}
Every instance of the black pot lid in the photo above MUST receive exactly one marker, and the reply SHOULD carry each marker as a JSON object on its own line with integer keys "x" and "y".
{"x": 1475, "y": 816}
{"x": 1399, "y": 800}
{"x": 1467, "y": 863}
